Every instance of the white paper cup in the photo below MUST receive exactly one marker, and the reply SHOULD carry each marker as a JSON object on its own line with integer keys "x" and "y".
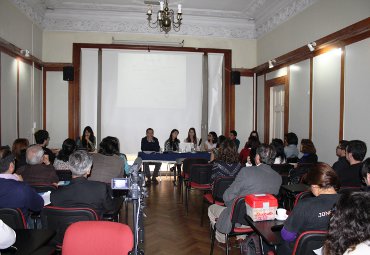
{"x": 281, "y": 212}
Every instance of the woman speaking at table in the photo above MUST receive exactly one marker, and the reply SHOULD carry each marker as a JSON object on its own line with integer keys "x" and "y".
{"x": 172, "y": 143}
{"x": 311, "y": 213}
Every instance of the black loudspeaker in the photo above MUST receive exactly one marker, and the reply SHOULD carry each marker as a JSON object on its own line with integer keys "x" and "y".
{"x": 68, "y": 73}
{"x": 235, "y": 77}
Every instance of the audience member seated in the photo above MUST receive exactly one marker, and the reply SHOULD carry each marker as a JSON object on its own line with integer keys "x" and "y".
{"x": 116, "y": 150}
{"x": 38, "y": 169}
{"x": 248, "y": 153}
{"x": 291, "y": 142}
{"x": 255, "y": 134}
{"x": 250, "y": 180}
{"x": 14, "y": 193}
{"x": 106, "y": 164}
{"x": 233, "y": 135}
{"x": 309, "y": 152}
{"x": 19, "y": 148}
{"x": 366, "y": 173}
{"x": 7, "y": 236}
{"x": 42, "y": 138}
{"x": 82, "y": 192}
{"x": 341, "y": 164}
{"x": 278, "y": 145}
{"x": 311, "y": 213}
{"x": 211, "y": 142}
{"x": 150, "y": 143}
{"x": 4, "y": 173}
{"x": 172, "y": 143}
{"x": 215, "y": 153}
{"x": 227, "y": 163}
{"x": 61, "y": 161}
{"x": 349, "y": 231}
{"x": 87, "y": 140}
{"x": 192, "y": 138}
{"x": 355, "y": 153}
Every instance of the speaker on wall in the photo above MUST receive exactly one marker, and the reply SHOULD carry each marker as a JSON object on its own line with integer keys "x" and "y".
{"x": 235, "y": 77}
{"x": 68, "y": 73}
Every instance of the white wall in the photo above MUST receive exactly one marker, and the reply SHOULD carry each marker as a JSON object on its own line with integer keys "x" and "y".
{"x": 276, "y": 74}
{"x": 357, "y": 91}
{"x": 299, "y": 99}
{"x": 261, "y": 107}
{"x": 244, "y": 109}
{"x": 320, "y": 19}
{"x": 25, "y": 101}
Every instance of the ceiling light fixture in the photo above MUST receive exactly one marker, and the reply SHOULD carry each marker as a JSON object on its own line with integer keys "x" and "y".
{"x": 311, "y": 46}
{"x": 165, "y": 18}
{"x": 25, "y": 53}
{"x": 272, "y": 63}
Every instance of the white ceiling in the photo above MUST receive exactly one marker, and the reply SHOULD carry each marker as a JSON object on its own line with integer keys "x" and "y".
{"x": 247, "y": 19}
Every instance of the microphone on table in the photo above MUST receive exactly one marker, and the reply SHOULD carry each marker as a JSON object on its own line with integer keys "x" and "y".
{"x": 200, "y": 142}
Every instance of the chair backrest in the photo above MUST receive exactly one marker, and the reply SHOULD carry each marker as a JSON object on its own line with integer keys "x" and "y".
{"x": 59, "y": 218}
{"x": 282, "y": 169}
{"x": 200, "y": 173}
{"x": 14, "y": 218}
{"x": 238, "y": 211}
{"x": 98, "y": 237}
{"x": 43, "y": 187}
{"x": 292, "y": 160}
{"x": 309, "y": 241}
{"x": 296, "y": 174}
{"x": 219, "y": 186}
{"x": 344, "y": 190}
{"x": 302, "y": 195}
{"x": 64, "y": 175}
{"x": 186, "y": 164}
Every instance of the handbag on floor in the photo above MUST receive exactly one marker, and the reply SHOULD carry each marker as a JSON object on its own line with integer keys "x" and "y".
{"x": 251, "y": 245}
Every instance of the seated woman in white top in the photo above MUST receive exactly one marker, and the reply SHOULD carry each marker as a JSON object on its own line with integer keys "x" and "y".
{"x": 211, "y": 143}
{"x": 192, "y": 138}
{"x": 7, "y": 236}
{"x": 349, "y": 231}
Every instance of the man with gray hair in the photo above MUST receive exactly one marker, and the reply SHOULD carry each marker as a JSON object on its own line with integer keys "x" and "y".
{"x": 84, "y": 193}
{"x": 38, "y": 169}
{"x": 257, "y": 179}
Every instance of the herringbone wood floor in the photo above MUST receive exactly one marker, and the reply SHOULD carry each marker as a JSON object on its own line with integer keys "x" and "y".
{"x": 168, "y": 230}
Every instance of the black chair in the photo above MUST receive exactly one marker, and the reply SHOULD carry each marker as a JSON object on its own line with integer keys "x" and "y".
{"x": 296, "y": 175}
{"x": 59, "y": 218}
{"x": 216, "y": 197}
{"x": 199, "y": 178}
{"x": 292, "y": 160}
{"x": 186, "y": 164}
{"x": 344, "y": 190}
{"x": 43, "y": 187}
{"x": 309, "y": 241}
{"x": 14, "y": 218}
{"x": 302, "y": 195}
{"x": 64, "y": 175}
{"x": 237, "y": 217}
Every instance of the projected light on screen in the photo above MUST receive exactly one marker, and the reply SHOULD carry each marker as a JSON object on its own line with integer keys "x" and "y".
{"x": 155, "y": 76}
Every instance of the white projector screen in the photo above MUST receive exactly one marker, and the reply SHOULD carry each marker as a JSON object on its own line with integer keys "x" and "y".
{"x": 140, "y": 89}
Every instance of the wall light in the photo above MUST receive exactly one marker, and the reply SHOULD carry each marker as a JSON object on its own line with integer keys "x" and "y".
{"x": 311, "y": 46}
{"x": 272, "y": 63}
{"x": 25, "y": 53}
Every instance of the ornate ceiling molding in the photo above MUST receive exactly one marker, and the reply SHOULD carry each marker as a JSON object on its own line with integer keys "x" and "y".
{"x": 118, "y": 19}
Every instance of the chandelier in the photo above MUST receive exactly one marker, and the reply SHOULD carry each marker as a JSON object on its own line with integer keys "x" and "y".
{"x": 165, "y": 18}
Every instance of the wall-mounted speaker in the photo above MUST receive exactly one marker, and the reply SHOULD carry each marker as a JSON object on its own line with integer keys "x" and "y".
{"x": 235, "y": 77}
{"x": 68, "y": 73}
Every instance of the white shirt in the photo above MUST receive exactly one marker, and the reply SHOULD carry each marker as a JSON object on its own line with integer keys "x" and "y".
{"x": 361, "y": 249}
{"x": 7, "y": 236}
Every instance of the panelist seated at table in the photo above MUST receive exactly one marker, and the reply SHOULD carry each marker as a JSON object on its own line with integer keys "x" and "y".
{"x": 192, "y": 138}
{"x": 250, "y": 180}
{"x": 82, "y": 192}
{"x": 15, "y": 193}
{"x": 150, "y": 143}
{"x": 311, "y": 213}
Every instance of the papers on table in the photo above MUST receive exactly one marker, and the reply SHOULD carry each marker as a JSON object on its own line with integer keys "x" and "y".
{"x": 46, "y": 197}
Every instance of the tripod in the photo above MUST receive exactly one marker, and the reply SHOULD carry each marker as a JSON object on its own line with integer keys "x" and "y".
{"x": 137, "y": 222}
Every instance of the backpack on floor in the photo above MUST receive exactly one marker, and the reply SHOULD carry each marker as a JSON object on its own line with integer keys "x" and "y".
{"x": 251, "y": 245}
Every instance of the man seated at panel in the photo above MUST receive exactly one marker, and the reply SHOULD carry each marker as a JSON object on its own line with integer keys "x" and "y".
{"x": 150, "y": 143}
{"x": 341, "y": 164}
{"x": 39, "y": 169}
{"x": 42, "y": 138}
{"x": 355, "y": 154}
{"x": 82, "y": 192}
{"x": 257, "y": 179}
{"x": 14, "y": 193}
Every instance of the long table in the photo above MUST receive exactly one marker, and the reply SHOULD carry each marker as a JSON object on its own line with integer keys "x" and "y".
{"x": 171, "y": 157}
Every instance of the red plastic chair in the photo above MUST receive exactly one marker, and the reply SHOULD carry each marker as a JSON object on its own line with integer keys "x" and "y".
{"x": 97, "y": 237}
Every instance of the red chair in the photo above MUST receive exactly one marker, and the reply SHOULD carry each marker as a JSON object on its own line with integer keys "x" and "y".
{"x": 237, "y": 216}
{"x": 14, "y": 218}
{"x": 302, "y": 195}
{"x": 309, "y": 241}
{"x": 97, "y": 237}
{"x": 219, "y": 186}
{"x": 199, "y": 178}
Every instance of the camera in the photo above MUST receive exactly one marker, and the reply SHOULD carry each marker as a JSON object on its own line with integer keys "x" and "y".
{"x": 120, "y": 184}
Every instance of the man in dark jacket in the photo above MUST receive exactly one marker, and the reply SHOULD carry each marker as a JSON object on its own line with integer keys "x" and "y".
{"x": 150, "y": 143}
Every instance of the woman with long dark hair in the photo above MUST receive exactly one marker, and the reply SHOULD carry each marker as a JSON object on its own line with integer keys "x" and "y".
{"x": 61, "y": 161}
{"x": 278, "y": 145}
{"x": 349, "y": 228}
{"x": 19, "y": 148}
{"x": 248, "y": 153}
{"x": 211, "y": 142}
{"x": 172, "y": 143}
{"x": 192, "y": 137}
{"x": 87, "y": 140}
{"x": 311, "y": 213}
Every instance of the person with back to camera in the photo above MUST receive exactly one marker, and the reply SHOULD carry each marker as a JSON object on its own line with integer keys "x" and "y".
{"x": 278, "y": 145}
{"x": 19, "y": 148}
{"x": 355, "y": 154}
{"x": 248, "y": 153}
{"x": 211, "y": 142}
{"x": 150, "y": 143}
{"x": 349, "y": 228}
{"x": 216, "y": 152}
{"x": 42, "y": 138}
{"x": 87, "y": 140}
{"x": 365, "y": 172}
{"x": 291, "y": 142}
{"x": 309, "y": 152}
{"x": 311, "y": 213}
{"x": 61, "y": 161}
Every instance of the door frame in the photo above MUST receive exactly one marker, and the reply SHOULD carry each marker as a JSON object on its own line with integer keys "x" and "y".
{"x": 283, "y": 80}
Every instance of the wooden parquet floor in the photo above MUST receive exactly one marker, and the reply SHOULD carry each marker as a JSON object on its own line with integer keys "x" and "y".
{"x": 168, "y": 230}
